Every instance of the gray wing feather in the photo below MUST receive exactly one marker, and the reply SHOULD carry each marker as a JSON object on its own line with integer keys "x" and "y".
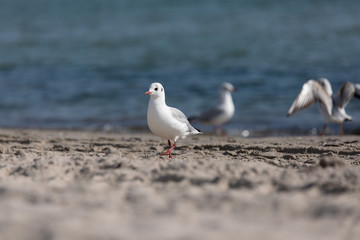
{"x": 357, "y": 90}
{"x": 208, "y": 115}
{"x": 344, "y": 95}
{"x": 347, "y": 91}
{"x": 180, "y": 116}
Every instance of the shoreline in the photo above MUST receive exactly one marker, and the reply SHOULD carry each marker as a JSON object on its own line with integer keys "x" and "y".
{"x": 67, "y": 184}
{"x": 231, "y": 132}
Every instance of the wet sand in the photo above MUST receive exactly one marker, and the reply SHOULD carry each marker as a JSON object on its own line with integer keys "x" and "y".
{"x": 91, "y": 185}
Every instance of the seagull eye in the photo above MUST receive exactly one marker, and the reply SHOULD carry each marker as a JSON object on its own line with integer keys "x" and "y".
{"x": 156, "y": 89}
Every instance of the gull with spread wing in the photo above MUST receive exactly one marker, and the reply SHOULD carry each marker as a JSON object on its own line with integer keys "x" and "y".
{"x": 332, "y": 107}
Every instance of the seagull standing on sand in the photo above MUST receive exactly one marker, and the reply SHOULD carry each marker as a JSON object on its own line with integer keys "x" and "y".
{"x": 164, "y": 121}
{"x": 332, "y": 107}
{"x": 222, "y": 112}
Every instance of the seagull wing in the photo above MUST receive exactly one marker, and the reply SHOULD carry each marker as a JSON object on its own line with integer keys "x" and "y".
{"x": 180, "y": 116}
{"x": 357, "y": 90}
{"x": 311, "y": 91}
{"x": 347, "y": 91}
{"x": 208, "y": 115}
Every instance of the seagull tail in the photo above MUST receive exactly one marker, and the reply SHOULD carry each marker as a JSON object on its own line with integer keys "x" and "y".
{"x": 198, "y": 130}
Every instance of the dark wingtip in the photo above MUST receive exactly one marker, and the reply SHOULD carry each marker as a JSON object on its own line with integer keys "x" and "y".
{"x": 191, "y": 118}
{"x": 357, "y": 95}
{"x": 198, "y": 130}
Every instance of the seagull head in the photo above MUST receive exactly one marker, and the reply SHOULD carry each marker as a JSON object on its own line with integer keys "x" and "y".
{"x": 156, "y": 90}
{"x": 228, "y": 87}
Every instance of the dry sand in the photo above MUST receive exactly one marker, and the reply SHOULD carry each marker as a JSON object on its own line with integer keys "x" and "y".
{"x": 86, "y": 185}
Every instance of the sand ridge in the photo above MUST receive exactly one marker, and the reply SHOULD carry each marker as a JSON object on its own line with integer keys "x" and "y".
{"x": 91, "y": 185}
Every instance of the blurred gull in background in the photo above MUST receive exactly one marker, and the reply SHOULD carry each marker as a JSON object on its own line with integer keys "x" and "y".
{"x": 332, "y": 107}
{"x": 221, "y": 113}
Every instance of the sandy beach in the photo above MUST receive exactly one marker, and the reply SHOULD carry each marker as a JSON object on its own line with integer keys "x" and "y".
{"x": 95, "y": 185}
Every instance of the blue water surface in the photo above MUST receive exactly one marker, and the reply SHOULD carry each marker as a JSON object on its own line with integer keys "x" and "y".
{"x": 87, "y": 63}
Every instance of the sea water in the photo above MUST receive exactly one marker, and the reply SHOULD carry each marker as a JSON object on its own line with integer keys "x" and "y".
{"x": 87, "y": 63}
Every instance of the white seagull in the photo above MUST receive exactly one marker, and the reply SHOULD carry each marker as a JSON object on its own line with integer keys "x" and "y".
{"x": 164, "y": 121}
{"x": 222, "y": 112}
{"x": 332, "y": 107}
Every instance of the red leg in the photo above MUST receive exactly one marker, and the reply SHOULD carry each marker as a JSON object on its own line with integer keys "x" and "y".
{"x": 169, "y": 143}
{"x": 218, "y": 130}
{"x": 223, "y": 133}
{"x": 323, "y": 130}
{"x": 169, "y": 150}
{"x": 341, "y": 129}
{"x": 215, "y": 130}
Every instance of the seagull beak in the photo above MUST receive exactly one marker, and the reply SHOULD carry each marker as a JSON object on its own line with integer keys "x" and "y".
{"x": 235, "y": 89}
{"x": 148, "y": 93}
